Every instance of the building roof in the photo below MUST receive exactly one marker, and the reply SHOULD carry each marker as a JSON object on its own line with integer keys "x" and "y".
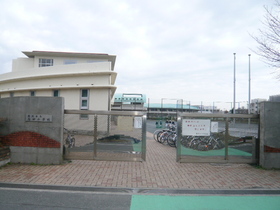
{"x": 111, "y": 58}
{"x": 171, "y": 106}
{"x": 138, "y": 97}
{"x": 130, "y": 97}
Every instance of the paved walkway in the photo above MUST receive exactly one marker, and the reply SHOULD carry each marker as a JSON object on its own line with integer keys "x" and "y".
{"x": 159, "y": 171}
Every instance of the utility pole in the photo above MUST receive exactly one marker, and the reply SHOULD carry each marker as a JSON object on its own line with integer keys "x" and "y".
{"x": 249, "y": 94}
{"x": 234, "y": 81}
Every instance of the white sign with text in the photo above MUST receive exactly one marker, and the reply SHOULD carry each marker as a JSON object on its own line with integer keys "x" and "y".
{"x": 195, "y": 127}
{"x": 137, "y": 122}
{"x": 214, "y": 127}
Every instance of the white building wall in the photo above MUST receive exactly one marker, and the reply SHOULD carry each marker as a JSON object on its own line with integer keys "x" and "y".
{"x": 71, "y": 98}
{"x": 21, "y": 93}
{"x": 101, "y": 95}
{"x": 61, "y": 60}
{"x": 94, "y": 72}
{"x": 21, "y": 64}
{"x": 254, "y": 105}
{"x": 61, "y": 81}
{"x": 43, "y": 93}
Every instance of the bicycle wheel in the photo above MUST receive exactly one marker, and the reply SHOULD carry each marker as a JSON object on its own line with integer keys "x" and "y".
{"x": 156, "y": 135}
{"x": 220, "y": 144}
{"x": 202, "y": 146}
{"x": 72, "y": 142}
{"x": 68, "y": 142}
{"x": 171, "y": 140}
{"x": 163, "y": 137}
{"x": 194, "y": 143}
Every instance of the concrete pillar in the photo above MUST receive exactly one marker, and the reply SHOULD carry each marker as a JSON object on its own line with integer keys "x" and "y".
{"x": 270, "y": 135}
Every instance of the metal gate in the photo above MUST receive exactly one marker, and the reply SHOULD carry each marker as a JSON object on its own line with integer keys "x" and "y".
{"x": 217, "y": 138}
{"x": 105, "y": 135}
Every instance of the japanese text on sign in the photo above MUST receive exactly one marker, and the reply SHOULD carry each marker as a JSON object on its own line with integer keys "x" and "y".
{"x": 38, "y": 118}
{"x": 193, "y": 127}
{"x": 137, "y": 122}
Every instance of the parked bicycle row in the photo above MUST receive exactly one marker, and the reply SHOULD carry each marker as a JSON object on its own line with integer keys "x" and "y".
{"x": 168, "y": 135}
{"x": 203, "y": 143}
{"x": 200, "y": 143}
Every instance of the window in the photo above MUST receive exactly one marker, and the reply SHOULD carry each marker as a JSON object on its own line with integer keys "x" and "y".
{"x": 11, "y": 94}
{"x": 84, "y": 98}
{"x": 70, "y": 62}
{"x": 84, "y": 117}
{"x": 32, "y": 93}
{"x": 56, "y": 93}
{"x": 45, "y": 62}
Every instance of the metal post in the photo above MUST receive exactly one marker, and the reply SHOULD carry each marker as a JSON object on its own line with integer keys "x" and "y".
{"x": 226, "y": 138}
{"x": 249, "y": 94}
{"x": 179, "y": 136}
{"x": 148, "y": 114}
{"x": 161, "y": 108}
{"x": 95, "y": 137}
{"x": 121, "y": 102}
{"x": 144, "y": 127}
{"x": 234, "y": 84}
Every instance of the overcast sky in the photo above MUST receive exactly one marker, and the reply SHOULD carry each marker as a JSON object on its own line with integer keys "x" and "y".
{"x": 175, "y": 49}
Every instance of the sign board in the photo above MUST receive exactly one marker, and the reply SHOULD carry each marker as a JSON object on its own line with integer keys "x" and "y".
{"x": 214, "y": 127}
{"x": 38, "y": 118}
{"x": 137, "y": 122}
{"x": 196, "y": 127}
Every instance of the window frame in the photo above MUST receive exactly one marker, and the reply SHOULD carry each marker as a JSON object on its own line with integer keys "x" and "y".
{"x": 84, "y": 117}
{"x": 58, "y": 93}
{"x": 69, "y": 61}
{"x": 84, "y": 98}
{"x": 45, "y": 62}
{"x": 32, "y": 93}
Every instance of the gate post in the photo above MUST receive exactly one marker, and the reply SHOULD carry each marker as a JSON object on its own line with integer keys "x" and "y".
{"x": 226, "y": 138}
{"x": 179, "y": 137}
{"x": 95, "y": 137}
{"x": 144, "y": 128}
{"x": 270, "y": 134}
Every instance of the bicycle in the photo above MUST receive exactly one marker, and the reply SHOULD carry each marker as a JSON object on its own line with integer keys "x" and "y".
{"x": 168, "y": 135}
{"x": 70, "y": 140}
{"x": 163, "y": 136}
{"x": 172, "y": 139}
{"x": 156, "y": 134}
{"x": 205, "y": 143}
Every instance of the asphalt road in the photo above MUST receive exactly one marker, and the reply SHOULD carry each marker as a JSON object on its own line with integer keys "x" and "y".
{"x": 31, "y": 197}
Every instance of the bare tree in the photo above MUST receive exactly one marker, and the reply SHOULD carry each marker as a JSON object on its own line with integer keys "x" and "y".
{"x": 269, "y": 38}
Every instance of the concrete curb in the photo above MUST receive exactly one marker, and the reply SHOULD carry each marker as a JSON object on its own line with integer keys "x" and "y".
{"x": 142, "y": 190}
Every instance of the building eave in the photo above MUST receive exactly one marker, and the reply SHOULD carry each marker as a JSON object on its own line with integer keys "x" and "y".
{"x": 53, "y": 75}
{"x": 112, "y": 87}
{"x": 32, "y": 54}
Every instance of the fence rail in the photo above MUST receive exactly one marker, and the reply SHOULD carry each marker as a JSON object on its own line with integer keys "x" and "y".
{"x": 91, "y": 112}
{"x": 220, "y": 115}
